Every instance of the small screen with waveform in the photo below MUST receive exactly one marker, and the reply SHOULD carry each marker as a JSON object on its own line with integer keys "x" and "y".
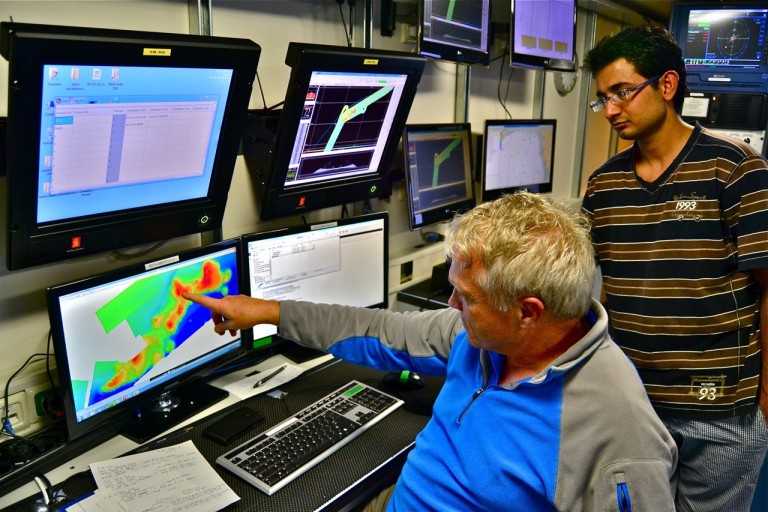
{"x": 438, "y": 171}
{"x": 344, "y": 126}
{"x": 122, "y": 334}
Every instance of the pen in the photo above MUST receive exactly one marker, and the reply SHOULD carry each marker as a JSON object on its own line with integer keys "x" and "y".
{"x": 265, "y": 379}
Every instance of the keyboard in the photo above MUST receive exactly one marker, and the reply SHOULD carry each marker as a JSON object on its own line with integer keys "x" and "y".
{"x": 278, "y": 456}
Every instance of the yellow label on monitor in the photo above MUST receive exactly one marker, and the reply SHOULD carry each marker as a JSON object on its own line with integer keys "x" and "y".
{"x": 370, "y": 62}
{"x": 157, "y": 52}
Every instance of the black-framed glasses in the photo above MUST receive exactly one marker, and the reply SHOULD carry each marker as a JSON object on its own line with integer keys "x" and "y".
{"x": 621, "y": 96}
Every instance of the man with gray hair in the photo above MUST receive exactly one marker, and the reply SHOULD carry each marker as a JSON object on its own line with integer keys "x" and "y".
{"x": 540, "y": 410}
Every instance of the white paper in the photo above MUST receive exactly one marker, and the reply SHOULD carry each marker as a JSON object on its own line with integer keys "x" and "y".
{"x": 172, "y": 479}
{"x": 101, "y": 501}
{"x": 242, "y": 386}
{"x": 695, "y": 107}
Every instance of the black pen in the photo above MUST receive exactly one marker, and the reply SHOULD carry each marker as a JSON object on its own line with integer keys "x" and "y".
{"x": 265, "y": 379}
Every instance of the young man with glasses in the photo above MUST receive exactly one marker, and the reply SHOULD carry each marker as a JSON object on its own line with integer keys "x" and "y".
{"x": 680, "y": 228}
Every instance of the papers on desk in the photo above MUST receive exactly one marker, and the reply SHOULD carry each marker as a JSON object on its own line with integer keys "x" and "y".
{"x": 242, "y": 385}
{"x": 176, "y": 478}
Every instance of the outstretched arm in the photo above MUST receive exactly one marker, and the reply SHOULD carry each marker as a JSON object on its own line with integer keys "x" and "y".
{"x": 235, "y": 312}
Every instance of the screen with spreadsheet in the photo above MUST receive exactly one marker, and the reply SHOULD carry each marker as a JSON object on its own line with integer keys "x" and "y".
{"x": 338, "y": 262}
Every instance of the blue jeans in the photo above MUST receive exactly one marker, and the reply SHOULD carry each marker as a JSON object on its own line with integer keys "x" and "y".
{"x": 719, "y": 461}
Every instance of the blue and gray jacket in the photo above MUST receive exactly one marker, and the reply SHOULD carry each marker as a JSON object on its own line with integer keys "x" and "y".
{"x": 581, "y": 435}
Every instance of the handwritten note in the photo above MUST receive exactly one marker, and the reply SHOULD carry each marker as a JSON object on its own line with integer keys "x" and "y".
{"x": 172, "y": 479}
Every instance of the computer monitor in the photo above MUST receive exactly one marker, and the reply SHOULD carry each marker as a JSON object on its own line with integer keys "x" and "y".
{"x": 338, "y": 262}
{"x": 438, "y": 171}
{"x": 456, "y": 31}
{"x": 339, "y": 129}
{"x": 118, "y": 138}
{"x": 517, "y": 154}
{"x": 543, "y": 34}
{"x": 131, "y": 353}
{"x": 725, "y": 45}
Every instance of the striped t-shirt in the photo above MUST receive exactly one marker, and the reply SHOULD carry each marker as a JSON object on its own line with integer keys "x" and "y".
{"x": 675, "y": 257}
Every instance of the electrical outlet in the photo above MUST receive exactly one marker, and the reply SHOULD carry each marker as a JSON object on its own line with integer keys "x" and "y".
{"x": 17, "y": 412}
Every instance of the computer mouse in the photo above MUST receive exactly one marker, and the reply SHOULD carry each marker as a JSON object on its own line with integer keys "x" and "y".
{"x": 402, "y": 381}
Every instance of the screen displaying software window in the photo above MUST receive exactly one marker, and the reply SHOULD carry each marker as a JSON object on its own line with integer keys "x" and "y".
{"x": 461, "y": 24}
{"x": 342, "y": 262}
{"x": 517, "y": 154}
{"x": 123, "y": 336}
{"x": 344, "y": 126}
{"x": 727, "y": 38}
{"x": 115, "y": 138}
{"x": 544, "y": 29}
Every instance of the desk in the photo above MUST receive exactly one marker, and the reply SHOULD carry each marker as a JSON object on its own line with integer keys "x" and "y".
{"x": 344, "y": 480}
{"x": 420, "y": 296}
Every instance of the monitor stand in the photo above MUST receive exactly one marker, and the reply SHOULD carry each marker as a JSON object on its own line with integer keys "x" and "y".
{"x": 170, "y": 409}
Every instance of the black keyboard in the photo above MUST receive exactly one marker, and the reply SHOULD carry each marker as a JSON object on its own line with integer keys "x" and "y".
{"x": 278, "y": 456}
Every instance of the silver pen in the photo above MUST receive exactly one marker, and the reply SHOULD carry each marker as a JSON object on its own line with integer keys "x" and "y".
{"x": 265, "y": 379}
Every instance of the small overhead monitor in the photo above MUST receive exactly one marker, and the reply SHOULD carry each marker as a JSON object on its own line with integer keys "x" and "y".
{"x": 725, "y": 45}
{"x": 438, "y": 171}
{"x": 118, "y": 138}
{"x": 455, "y": 31}
{"x": 338, "y": 262}
{"x": 517, "y": 155}
{"x": 131, "y": 353}
{"x": 543, "y": 34}
{"x": 339, "y": 129}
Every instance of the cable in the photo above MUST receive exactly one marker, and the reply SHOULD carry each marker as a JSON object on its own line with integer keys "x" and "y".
{"x": 5, "y": 420}
{"x": 501, "y": 77}
{"x": 341, "y": 13}
{"x": 261, "y": 90}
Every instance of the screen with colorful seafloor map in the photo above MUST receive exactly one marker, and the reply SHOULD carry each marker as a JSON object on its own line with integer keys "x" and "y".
{"x": 126, "y": 336}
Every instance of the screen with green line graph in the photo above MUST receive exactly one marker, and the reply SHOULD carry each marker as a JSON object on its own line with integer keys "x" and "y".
{"x": 438, "y": 171}
{"x": 456, "y": 30}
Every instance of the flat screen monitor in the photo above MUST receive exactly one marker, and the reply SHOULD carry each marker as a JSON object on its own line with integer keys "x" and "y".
{"x": 725, "y": 45}
{"x": 338, "y": 262}
{"x": 455, "y": 30}
{"x": 339, "y": 129}
{"x": 543, "y": 34}
{"x": 131, "y": 352}
{"x": 438, "y": 171}
{"x": 517, "y": 155}
{"x": 118, "y": 138}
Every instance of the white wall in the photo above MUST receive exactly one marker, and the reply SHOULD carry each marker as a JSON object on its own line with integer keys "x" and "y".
{"x": 271, "y": 24}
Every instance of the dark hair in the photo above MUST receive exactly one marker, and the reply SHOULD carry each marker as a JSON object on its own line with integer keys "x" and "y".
{"x": 652, "y": 50}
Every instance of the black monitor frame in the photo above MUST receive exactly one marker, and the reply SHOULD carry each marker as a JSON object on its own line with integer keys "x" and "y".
{"x": 440, "y": 208}
{"x": 29, "y": 48}
{"x": 270, "y": 160}
{"x": 532, "y": 126}
{"x": 746, "y": 71}
{"x": 475, "y": 45}
{"x": 530, "y": 55}
{"x": 171, "y": 394}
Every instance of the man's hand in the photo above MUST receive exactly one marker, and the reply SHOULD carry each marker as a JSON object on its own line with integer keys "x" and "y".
{"x": 235, "y": 312}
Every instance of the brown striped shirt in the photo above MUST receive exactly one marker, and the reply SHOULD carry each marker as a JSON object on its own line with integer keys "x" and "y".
{"x": 676, "y": 256}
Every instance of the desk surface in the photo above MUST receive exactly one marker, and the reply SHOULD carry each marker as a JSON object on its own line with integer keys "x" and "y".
{"x": 346, "y": 478}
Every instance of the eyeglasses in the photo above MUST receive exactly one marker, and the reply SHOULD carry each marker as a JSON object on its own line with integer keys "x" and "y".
{"x": 620, "y": 96}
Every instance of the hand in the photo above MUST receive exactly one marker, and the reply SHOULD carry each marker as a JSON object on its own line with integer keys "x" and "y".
{"x": 235, "y": 312}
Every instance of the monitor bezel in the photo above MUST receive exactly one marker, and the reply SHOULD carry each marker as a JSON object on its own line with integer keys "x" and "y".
{"x": 442, "y": 50}
{"x": 277, "y": 200}
{"x": 124, "y": 413}
{"x": 531, "y": 61}
{"x": 489, "y": 195}
{"x": 262, "y": 343}
{"x": 444, "y": 212}
{"x": 28, "y": 48}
